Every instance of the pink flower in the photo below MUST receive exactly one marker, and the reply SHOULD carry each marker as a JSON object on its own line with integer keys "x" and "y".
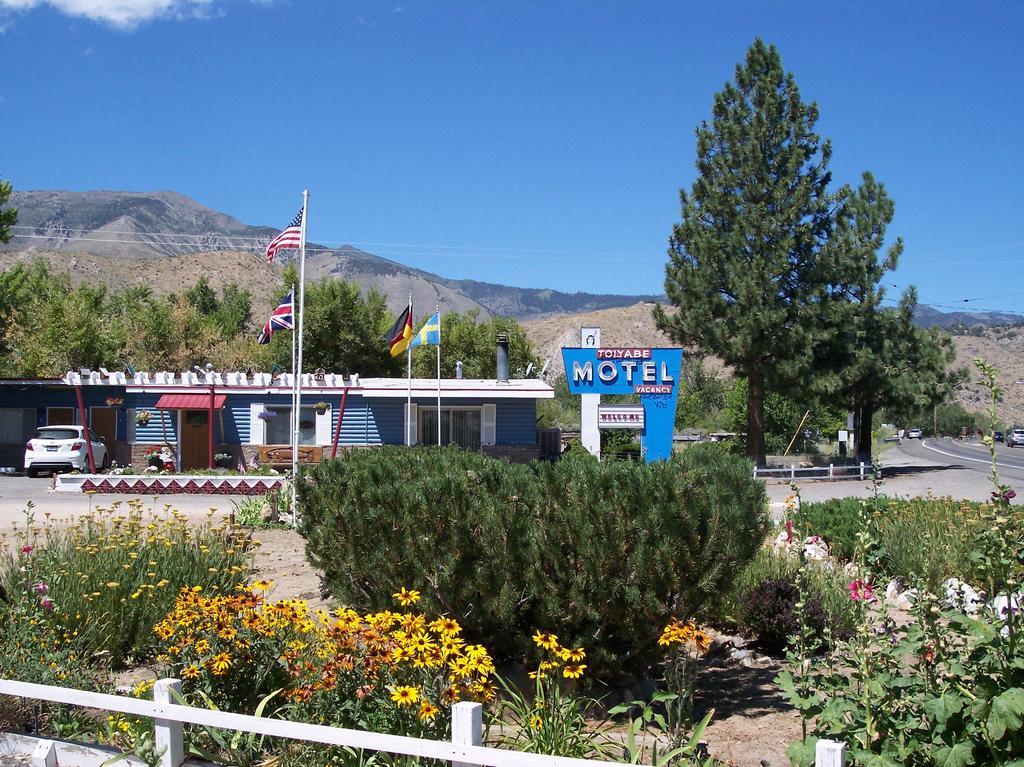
{"x": 861, "y": 591}
{"x": 26, "y": 549}
{"x": 46, "y": 604}
{"x": 41, "y": 589}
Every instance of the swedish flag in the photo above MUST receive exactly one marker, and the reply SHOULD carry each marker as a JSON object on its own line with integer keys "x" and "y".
{"x": 430, "y": 333}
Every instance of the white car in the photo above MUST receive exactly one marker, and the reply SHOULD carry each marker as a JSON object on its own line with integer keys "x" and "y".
{"x": 62, "y": 448}
{"x": 914, "y": 434}
{"x": 1015, "y": 438}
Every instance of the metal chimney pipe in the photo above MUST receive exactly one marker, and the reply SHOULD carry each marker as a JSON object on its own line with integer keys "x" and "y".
{"x": 502, "y": 352}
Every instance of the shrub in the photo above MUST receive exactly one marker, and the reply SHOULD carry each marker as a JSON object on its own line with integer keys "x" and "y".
{"x": 769, "y": 611}
{"x": 111, "y": 575}
{"x": 597, "y": 552}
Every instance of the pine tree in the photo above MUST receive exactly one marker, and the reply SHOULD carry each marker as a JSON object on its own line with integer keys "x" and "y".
{"x": 9, "y": 217}
{"x": 749, "y": 269}
{"x": 877, "y": 358}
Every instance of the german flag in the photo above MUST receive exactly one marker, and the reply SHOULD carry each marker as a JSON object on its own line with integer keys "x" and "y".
{"x": 400, "y": 334}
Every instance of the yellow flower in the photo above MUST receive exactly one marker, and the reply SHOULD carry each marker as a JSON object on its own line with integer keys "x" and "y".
{"x": 445, "y": 626}
{"x": 428, "y": 711}
{"x": 220, "y": 663}
{"x": 574, "y": 671}
{"x": 190, "y": 672}
{"x": 112, "y": 584}
{"x": 407, "y": 597}
{"x": 536, "y": 722}
{"x": 262, "y": 585}
{"x": 405, "y": 695}
{"x": 577, "y": 655}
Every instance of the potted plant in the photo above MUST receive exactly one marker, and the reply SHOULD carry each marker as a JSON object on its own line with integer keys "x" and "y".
{"x": 224, "y": 460}
{"x": 142, "y": 417}
{"x": 320, "y": 407}
{"x": 160, "y": 457}
{"x": 115, "y": 401}
{"x": 267, "y": 415}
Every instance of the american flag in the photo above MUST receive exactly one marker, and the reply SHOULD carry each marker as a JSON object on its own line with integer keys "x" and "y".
{"x": 280, "y": 319}
{"x": 289, "y": 238}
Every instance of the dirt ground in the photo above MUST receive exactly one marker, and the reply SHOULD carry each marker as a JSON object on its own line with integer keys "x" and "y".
{"x": 752, "y": 724}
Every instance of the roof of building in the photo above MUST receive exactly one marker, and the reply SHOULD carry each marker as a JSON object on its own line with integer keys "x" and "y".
{"x": 166, "y": 382}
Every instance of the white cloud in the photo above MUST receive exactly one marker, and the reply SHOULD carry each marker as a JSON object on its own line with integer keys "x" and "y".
{"x": 124, "y": 14}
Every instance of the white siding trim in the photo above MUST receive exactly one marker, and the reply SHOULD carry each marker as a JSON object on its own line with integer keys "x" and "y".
{"x": 489, "y": 424}
{"x": 412, "y": 425}
{"x": 256, "y": 424}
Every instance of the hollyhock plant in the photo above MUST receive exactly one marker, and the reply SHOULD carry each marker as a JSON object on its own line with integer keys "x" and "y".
{"x": 41, "y": 589}
{"x": 861, "y": 591}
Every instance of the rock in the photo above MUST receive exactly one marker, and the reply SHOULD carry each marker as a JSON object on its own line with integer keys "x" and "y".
{"x": 961, "y": 596}
{"x": 739, "y": 655}
{"x": 1002, "y": 603}
{"x": 267, "y": 513}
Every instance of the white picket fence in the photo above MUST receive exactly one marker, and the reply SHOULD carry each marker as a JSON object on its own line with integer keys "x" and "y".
{"x": 464, "y": 749}
{"x": 793, "y": 472}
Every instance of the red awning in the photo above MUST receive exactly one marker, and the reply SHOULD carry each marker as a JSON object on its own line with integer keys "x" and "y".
{"x": 190, "y": 401}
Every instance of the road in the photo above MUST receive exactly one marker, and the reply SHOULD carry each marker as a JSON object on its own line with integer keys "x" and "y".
{"x": 939, "y": 467}
{"x": 970, "y": 455}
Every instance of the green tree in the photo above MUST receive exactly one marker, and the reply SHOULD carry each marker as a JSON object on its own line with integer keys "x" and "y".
{"x": 749, "y": 265}
{"x": 343, "y": 330}
{"x": 466, "y": 338}
{"x": 782, "y": 416}
{"x": 701, "y": 395}
{"x": 9, "y": 217}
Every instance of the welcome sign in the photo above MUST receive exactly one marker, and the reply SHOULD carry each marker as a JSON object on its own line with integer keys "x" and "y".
{"x": 651, "y": 373}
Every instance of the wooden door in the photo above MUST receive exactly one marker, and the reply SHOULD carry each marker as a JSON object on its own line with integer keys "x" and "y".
{"x": 103, "y": 422}
{"x": 194, "y": 440}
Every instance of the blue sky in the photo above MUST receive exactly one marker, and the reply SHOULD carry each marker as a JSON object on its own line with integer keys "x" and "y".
{"x": 540, "y": 144}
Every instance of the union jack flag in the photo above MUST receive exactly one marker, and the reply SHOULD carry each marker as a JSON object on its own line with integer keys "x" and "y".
{"x": 280, "y": 319}
{"x": 289, "y": 238}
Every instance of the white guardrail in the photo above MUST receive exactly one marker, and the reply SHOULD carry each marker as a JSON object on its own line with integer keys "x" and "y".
{"x": 464, "y": 750}
{"x": 794, "y": 472}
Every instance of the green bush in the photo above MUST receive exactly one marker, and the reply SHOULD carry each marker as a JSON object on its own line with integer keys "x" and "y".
{"x": 599, "y": 553}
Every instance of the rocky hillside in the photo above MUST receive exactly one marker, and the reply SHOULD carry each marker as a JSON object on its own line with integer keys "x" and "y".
{"x": 634, "y": 326}
{"x": 104, "y": 235}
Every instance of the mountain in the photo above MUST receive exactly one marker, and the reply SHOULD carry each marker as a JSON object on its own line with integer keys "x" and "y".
{"x": 926, "y": 317}
{"x": 102, "y": 235}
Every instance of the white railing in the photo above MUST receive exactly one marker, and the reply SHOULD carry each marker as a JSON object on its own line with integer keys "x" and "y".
{"x": 168, "y": 717}
{"x": 814, "y": 472}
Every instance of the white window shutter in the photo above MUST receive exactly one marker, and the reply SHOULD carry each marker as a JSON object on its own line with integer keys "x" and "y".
{"x": 412, "y": 426}
{"x": 256, "y": 424}
{"x": 489, "y": 425}
{"x": 324, "y": 427}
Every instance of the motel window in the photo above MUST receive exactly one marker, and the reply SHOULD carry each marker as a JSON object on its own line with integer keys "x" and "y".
{"x": 459, "y": 426}
{"x": 279, "y": 429}
{"x": 16, "y": 424}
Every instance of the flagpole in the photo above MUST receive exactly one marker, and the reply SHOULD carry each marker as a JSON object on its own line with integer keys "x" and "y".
{"x": 408, "y": 398}
{"x": 294, "y": 331}
{"x": 438, "y": 308}
{"x": 297, "y": 411}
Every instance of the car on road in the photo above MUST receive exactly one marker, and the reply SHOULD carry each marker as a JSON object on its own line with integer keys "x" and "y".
{"x": 1015, "y": 438}
{"x": 63, "y": 448}
{"x": 914, "y": 433}
{"x": 997, "y": 436}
